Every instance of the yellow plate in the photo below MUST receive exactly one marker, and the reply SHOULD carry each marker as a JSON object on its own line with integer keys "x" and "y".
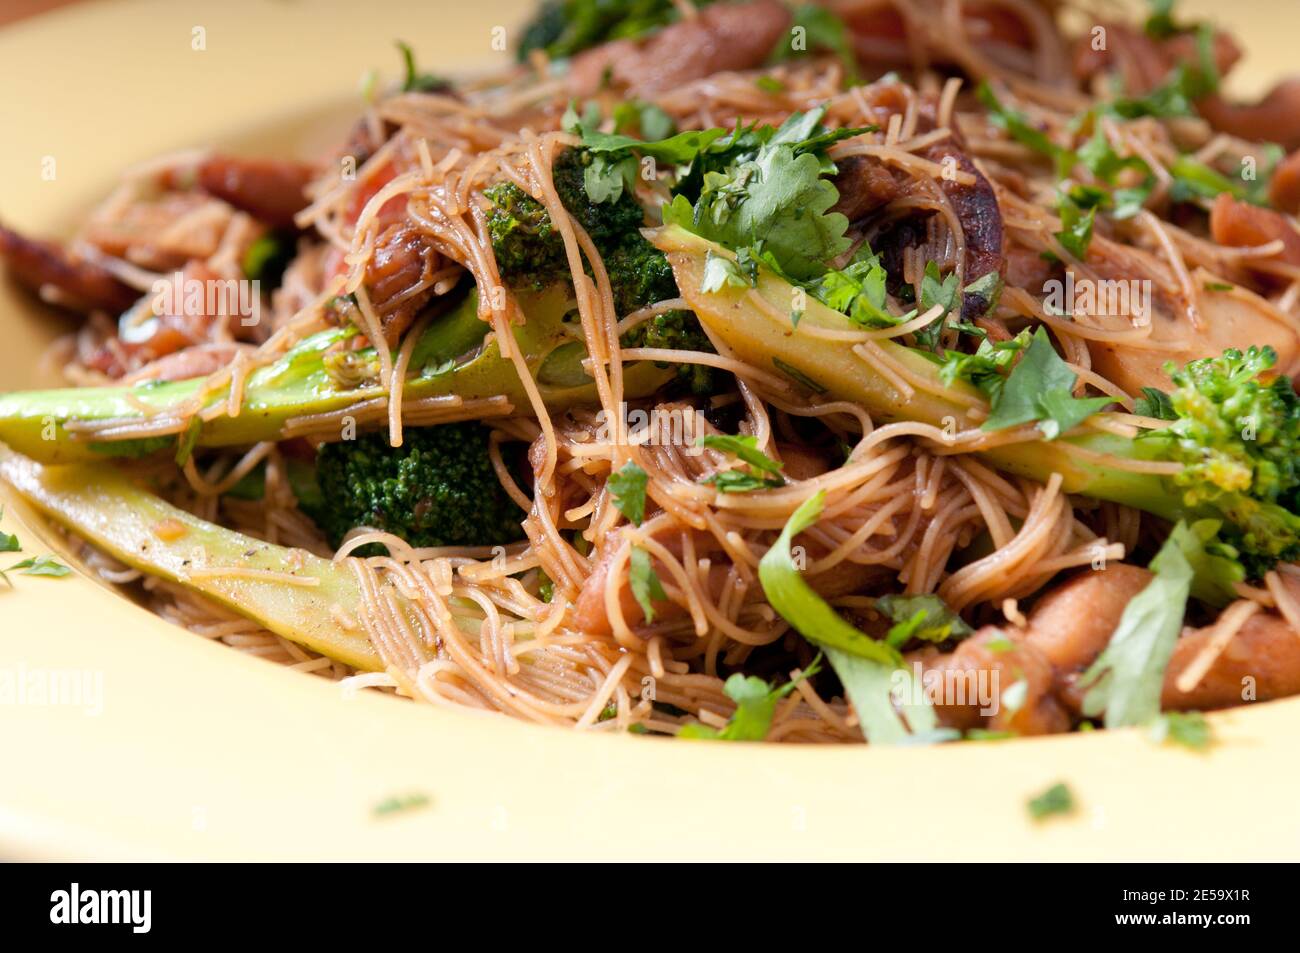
{"x": 196, "y": 751}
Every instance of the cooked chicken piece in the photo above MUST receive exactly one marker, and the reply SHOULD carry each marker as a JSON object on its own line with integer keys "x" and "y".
{"x": 1233, "y": 318}
{"x": 994, "y": 662}
{"x": 722, "y": 37}
{"x": 1261, "y": 662}
{"x": 188, "y": 363}
{"x": 1074, "y": 621}
{"x": 166, "y": 331}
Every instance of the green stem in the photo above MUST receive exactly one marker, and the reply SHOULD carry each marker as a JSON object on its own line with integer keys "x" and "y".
{"x": 145, "y": 532}
{"x": 298, "y": 385}
{"x": 755, "y": 325}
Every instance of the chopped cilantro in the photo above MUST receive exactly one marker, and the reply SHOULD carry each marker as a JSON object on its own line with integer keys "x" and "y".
{"x": 8, "y": 541}
{"x": 764, "y": 189}
{"x": 1125, "y": 680}
{"x": 1018, "y": 126}
{"x": 1041, "y": 388}
{"x": 1057, "y": 799}
{"x": 400, "y": 804}
{"x": 924, "y": 617}
{"x": 40, "y": 566}
{"x": 755, "y": 706}
{"x": 627, "y": 486}
{"x": 646, "y": 587}
{"x": 988, "y": 367}
{"x": 1186, "y": 728}
{"x": 763, "y": 471}
{"x": 1078, "y": 212}
{"x": 1155, "y": 403}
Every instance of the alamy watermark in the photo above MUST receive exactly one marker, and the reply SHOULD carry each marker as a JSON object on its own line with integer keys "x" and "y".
{"x": 46, "y": 687}
{"x": 1099, "y": 298}
{"x": 180, "y": 294}
{"x": 656, "y": 426}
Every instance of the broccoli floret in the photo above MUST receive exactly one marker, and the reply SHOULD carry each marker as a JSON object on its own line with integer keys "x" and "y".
{"x": 565, "y": 27}
{"x": 1238, "y": 434}
{"x": 678, "y": 330}
{"x": 528, "y": 250}
{"x": 437, "y": 489}
{"x": 610, "y": 224}
{"x": 530, "y": 253}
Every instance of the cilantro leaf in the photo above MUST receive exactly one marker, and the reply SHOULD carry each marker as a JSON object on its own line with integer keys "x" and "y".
{"x": 646, "y": 587}
{"x": 940, "y": 291}
{"x": 40, "y": 566}
{"x": 1125, "y": 680}
{"x": 743, "y": 447}
{"x": 627, "y": 486}
{"x": 1041, "y": 388}
{"x": 764, "y": 473}
{"x": 8, "y": 541}
{"x": 866, "y": 666}
{"x": 651, "y": 123}
{"x": 1193, "y": 180}
{"x": 1018, "y": 126}
{"x": 1058, "y": 799}
{"x": 771, "y": 195}
{"x": 756, "y": 702}
{"x": 858, "y": 290}
{"x": 1077, "y": 219}
{"x": 1063, "y": 411}
{"x": 1155, "y": 403}
{"x": 987, "y": 368}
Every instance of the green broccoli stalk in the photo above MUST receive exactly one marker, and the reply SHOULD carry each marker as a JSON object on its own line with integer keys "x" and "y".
{"x": 456, "y": 355}
{"x": 112, "y": 512}
{"x": 1235, "y": 428}
{"x": 107, "y": 509}
{"x": 530, "y": 254}
{"x": 437, "y": 489}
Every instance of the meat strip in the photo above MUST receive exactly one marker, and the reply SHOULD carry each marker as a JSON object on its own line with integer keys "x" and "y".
{"x": 726, "y": 36}
{"x": 81, "y": 285}
{"x": 397, "y": 277}
{"x": 271, "y": 190}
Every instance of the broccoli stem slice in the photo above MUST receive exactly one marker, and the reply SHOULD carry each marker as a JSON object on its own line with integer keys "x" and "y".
{"x": 755, "y": 324}
{"x": 457, "y": 355}
{"x": 101, "y": 505}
